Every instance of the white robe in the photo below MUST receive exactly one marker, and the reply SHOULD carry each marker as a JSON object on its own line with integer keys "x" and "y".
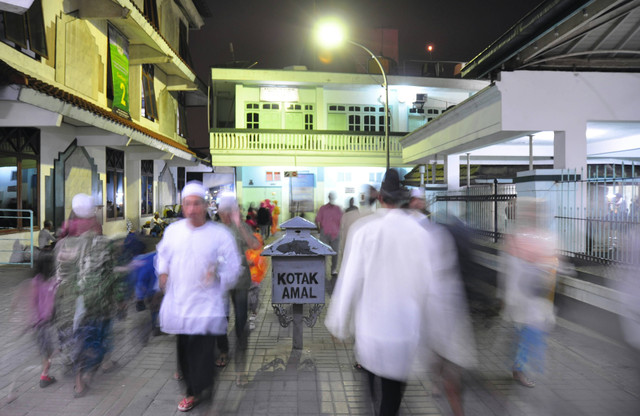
{"x": 381, "y": 290}
{"x": 202, "y": 264}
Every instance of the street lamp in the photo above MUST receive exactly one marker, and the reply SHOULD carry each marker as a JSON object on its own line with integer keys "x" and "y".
{"x": 331, "y": 34}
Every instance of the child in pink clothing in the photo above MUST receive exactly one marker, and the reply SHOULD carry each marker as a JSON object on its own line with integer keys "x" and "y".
{"x": 43, "y": 291}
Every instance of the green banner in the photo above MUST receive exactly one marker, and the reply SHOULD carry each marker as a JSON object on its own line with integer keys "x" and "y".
{"x": 119, "y": 54}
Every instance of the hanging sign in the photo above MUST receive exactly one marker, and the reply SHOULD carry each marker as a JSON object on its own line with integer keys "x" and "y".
{"x": 119, "y": 55}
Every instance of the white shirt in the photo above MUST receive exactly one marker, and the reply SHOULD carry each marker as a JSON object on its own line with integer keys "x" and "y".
{"x": 202, "y": 264}
{"x": 381, "y": 292}
{"x": 400, "y": 296}
{"x": 44, "y": 238}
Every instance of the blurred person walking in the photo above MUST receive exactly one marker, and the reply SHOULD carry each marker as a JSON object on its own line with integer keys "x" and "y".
{"x": 368, "y": 200}
{"x": 258, "y": 266}
{"x": 275, "y": 214}
{"x": 352, "y": 205}
{"x": 450, "y": 344}
{"x": 380, "y": 297}
{"x": 263, "y": 218}
{"x": 243, "y": 235}
{"x": 418, "y": 202}
{"x": 627, "y": 286}
{"x": 527, "y": 285}
{"x": 86, "y": 294}
{"x": 197, "y": 264}
{"x": 328, "y": 222}
{"x": 367, "y": 205}
{"x": 43, "y": 291}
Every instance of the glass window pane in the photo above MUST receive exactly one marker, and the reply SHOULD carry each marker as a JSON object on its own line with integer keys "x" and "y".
{"x": 120, "y": 195}
{"x": 8, "y": 191}
{"x": 35, "y": 21}
{"x": 110, "y": 194}
{"x": 29, "y": 189}
{"x": 15, "y": 28}
{"x": 150, "y": 195}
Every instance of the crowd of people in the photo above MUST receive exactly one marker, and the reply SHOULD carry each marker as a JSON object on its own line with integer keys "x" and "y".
{"x": 85, "y": 281}
{"x": 399, "y": 289}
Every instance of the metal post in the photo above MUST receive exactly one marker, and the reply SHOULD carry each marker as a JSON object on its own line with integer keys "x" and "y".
{"x": 297, "y": 326}
{"x": 386, "y": 98}
{"x": 434, "y": 165}
{"x": 495, "y": 210}
{"x": 468, "y": 170}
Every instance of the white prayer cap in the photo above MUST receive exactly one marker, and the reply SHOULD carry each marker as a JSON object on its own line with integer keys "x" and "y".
{"x": 82, "y": 205}
{"x": 193, "y": 188}
{"x": 227, "y": 202}
{"x": 417, "y": 193}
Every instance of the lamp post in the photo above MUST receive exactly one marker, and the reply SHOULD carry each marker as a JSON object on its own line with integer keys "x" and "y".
{"x": 331, "y": 34}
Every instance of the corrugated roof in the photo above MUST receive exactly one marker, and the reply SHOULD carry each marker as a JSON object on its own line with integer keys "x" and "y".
{"x": 10, "y": 75}
{"x": 574, "y": 35}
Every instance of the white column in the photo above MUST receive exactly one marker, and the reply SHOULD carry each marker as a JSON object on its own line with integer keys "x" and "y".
{"x": 570, "y": 147}
{"x": 452, "y": 171}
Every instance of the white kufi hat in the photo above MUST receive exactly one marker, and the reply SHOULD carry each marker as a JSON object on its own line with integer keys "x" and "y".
{"x": 82, "y": 205}
{"x": 193, "y": 188}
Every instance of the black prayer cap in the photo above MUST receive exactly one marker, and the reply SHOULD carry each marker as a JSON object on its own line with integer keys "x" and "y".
{"x": 391, "y": 188}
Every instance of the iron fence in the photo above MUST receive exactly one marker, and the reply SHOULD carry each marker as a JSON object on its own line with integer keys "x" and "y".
{"x": 487, "y": 209}
{"x": 594, "y": 215}
{"x": 598, "y": 214}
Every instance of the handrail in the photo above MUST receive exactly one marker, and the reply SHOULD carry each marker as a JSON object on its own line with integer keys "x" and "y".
{"x": 303, "y": 140}
{"x": 30, "y": 230}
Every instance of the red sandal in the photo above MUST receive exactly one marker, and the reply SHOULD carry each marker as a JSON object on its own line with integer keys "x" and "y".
{"x": 186, "y": 404}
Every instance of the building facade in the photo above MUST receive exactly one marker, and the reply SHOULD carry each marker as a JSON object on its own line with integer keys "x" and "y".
{"x": 296, "y": 134}
{"x": 93, "y": 99}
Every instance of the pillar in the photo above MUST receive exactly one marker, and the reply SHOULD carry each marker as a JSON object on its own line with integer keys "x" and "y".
{"x": 452, "y": 172}
{"x": 570, "y": 147}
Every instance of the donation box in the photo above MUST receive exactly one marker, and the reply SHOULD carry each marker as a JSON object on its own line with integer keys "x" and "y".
{"x": 298, "y": 264}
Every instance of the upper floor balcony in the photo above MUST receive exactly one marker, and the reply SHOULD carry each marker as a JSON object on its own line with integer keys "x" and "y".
{"x": 250, "y": 147}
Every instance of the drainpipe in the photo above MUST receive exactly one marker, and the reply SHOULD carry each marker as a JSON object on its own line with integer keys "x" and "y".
{"x": 468, "y": 170}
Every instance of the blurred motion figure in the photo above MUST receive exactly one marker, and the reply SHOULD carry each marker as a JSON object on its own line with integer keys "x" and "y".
{"x": 527, "y": 281}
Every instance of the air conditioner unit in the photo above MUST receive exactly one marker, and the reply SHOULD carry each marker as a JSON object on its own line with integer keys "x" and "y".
{"x": 420, "y": 100}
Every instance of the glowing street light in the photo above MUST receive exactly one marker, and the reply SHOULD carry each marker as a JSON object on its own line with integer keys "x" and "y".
{"x": 331, "y": 34}
{"x": 429, "y": 49}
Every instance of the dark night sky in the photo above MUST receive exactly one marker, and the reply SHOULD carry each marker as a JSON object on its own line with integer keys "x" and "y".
{"x": 278, "y": 33}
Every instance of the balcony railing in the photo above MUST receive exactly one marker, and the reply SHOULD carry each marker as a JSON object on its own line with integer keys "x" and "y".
{"x": 319, "y": 141}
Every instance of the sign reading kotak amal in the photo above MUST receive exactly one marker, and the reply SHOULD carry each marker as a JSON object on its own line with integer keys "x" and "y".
{"x": 298, "y": 280}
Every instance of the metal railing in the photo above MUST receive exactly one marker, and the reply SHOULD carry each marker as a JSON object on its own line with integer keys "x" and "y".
{"x": 487, "y": 210}
{"x": 599, "y": 214}
{"x": 14, "y": 219}
{"x": 595, "y": 216}
{"x": 310, "y": 140}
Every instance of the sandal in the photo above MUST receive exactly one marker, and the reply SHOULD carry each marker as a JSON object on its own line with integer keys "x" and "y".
{"x": 186, "y": 404}
{"x": 109, "y": 367}
{"x": 81, "y": 393}
{"x": 242, "y": 380}
{"x": 222, "y": 361}
{"x": 177, "y": 376}
{"x": 521, "y": 378}
{"x": 46, "y": 381}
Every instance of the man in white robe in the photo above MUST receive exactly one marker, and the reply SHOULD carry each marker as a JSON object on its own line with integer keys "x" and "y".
{"x": 382, "y": 290}
{"x": 197, "y": 263}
